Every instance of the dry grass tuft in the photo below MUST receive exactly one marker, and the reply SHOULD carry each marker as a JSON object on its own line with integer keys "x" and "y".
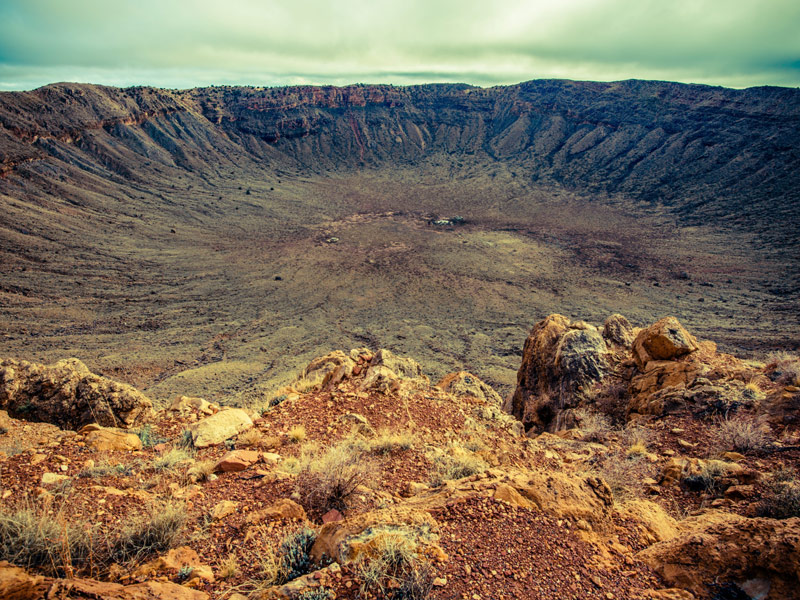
{"x": 168, "y": 461}
{"x": 201, "y": 470}
{"x": 455, "y": 463}
{"x": 150, "y": 534}
{"x": 297, "y": 434}
{"x": 328, "y": 480}
{"x": 392, "y": 569}
{"x": 251, "y": 437}
{"x": 595, "y": 426}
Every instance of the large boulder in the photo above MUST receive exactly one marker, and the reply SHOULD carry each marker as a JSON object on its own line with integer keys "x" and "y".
{"x": 402, "y": 366}
{"x": 67, "y": 394}
{"x": 665, "y": 339}
{"x": 728, "y": 548}
{"x": 217, "y": 428}
{"x": 618, "y": 330}
{"x": 560, "y": 362}
{"x": 466, "y": 384}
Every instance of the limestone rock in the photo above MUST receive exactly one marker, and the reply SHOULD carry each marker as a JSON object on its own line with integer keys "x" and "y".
{"x": 104, "y": 439}
{"x": 402, "y": 366}
{"x": 219, "y": 427}
{"x": 618, "y": 330}
{"x": 328, "y": 370}
{"x": 665, "y": 339}
{"x": 67, "y": 394}
{"x": 727, "y": 547}
{"x": 186, "y": 404}
{"x": 466, "y": 384}
{"x": 559, "y": 363}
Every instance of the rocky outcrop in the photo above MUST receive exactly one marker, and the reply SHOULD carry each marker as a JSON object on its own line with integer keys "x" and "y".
{"x": 560, "y": 361}
{"x": 17, "y": 584}
{"x": 466, "y": 384}
{"x": 665, "y": 339}
{"x": 728, "y": 548}
{"x": 67, "y": 394}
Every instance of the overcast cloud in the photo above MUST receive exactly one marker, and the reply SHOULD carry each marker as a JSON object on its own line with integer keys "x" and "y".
{"x": 182, "y": 43}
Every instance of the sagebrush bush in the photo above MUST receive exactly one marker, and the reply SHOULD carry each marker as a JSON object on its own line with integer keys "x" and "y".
{"x": 385, "y": 441}
{"x": 153, "y": 533}
{"x": 201, "y": 470}
{"x": 742, "y": 434}
{"x": 624, "y": 474}
{"x": 329, "y": 479}
{"x": 106, "y": 469}
{"x": 251, "y": 437}
{"x": 297, "y": 434}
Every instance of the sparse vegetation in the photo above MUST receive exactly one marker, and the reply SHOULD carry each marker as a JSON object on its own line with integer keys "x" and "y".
{"x": 251, "y": 437}
{"x": 297, "y": 434}
{"x": 31, "y": 538}
{"x": 328, "y": 480}
{"x": 624, "y": 474}
{"x": 295, "y": 555}
{"x": 320, "y": 593}
{"x": 171, "y": 459}
{"x": 385, "y": 441}
{"x": 740, "y": 433}
{"x": 785, "y": 367}
{"x": 392, "y": 569}
{"x": 149, "y": 437}
{"x": 455, "y": 463}
{"x": 152, "y": 533}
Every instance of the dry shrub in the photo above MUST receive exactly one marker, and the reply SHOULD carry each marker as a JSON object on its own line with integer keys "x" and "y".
{"x": 781, "y": 499}
{"x": 740, "y": 433}
{"x": 595, "y": 426}
{"x": 328, "y": 480}
{"x": 456, "y": 463}
{"x": 624, "y": 474}
{"x": 393, "y": 570}
{"x": 32, "y": 539}
{"x": 150, "y": 534}
{"x": 271, "y": 442}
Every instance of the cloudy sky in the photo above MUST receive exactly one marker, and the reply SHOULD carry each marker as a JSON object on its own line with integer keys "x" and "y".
{"x": 186, "y": 43}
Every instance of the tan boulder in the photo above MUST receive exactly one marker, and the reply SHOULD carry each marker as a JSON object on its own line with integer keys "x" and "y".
{"x": 466, "y": 384}
{"x": 665, "y": 339}
{"x": 506, "y": 493}
{"x": 720, "y": 546}
{"x": 618, "y": 330}
{"x": 105, "y": 439}
{"x": 186, "y": 404}
{"x": 327, "y": 370}
{"x": 281, "y": 509}
{"x": 172, "y": 563}
{"x": 236, "y": 460}
{"x": 401, "y": 366}
{"x": 67, "y": 394}
{"x": 18, "y": 584}
{"x": 101, "y": 590}
{"x": 223, "y": 509}
{"x": 219, "y": 427}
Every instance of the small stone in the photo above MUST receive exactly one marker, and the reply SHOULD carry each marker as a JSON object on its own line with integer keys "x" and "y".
{"x": 52, "y": 478}
{"x": 440, "y": 581}
{"x": 223, "y": 509}
{"x": 684, "y": 444}
{"x": 332, "y": 516}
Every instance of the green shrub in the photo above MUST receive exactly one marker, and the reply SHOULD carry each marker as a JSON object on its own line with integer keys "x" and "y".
{"x": 456, "y": 463}
{"x": 149, "y": 437}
